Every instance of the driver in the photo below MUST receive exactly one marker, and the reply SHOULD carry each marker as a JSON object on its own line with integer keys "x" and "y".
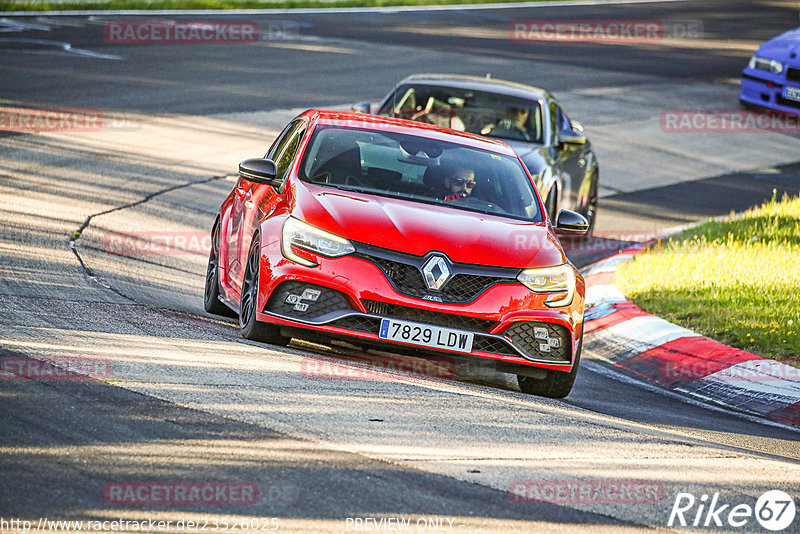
{"x": 459, "y": 183}
{"x": 513, "y": 124}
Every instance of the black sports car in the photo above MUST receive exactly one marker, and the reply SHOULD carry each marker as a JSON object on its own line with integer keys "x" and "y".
{"x": 554, "y": 148}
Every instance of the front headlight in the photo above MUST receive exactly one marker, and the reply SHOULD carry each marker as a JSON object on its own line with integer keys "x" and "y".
{"x": 770, "y": 65}
{"x": 304, "y": 236}
{"x": 560, "y": 279}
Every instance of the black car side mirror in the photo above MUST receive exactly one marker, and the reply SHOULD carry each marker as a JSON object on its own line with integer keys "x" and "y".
{"x": 260, "y": 171}
{"x": 570, "y": 223}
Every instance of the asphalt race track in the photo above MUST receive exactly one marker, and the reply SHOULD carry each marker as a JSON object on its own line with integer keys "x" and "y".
{"x": 187, "y": 399}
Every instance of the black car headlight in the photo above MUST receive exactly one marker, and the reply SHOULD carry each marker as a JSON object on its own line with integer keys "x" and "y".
{"x": 297, "y": 233}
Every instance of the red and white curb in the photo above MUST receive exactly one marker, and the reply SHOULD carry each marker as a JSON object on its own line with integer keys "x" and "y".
{"x": 647, "y": 346}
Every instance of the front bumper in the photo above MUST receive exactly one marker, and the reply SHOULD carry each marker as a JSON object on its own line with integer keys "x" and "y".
{"x": 764, "y": 89}
{"x": 350, "y": 295}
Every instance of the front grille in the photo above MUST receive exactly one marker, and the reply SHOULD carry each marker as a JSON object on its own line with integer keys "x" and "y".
{"x": 786, "y": 102}
{"x": 793, "y": 75}
{"x": 359, "y": 323}
{"x": 405, "y": 278}
{"x": 404, "y": 272}
{"x": 460, "y": 289}
{"x": 416, "y": 315}
{"x": 465, "y": 287}
{"x": 297, "y": 300}
{"x": 481, "y": 343}
{"x": 762, "y": 80}
{"x": 492, "y": 345}
{"x": 522, "y": 334}
{"x": 541, "y": 341}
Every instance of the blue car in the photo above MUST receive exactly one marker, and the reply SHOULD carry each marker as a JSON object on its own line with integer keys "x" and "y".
{"x": 772, "y": 77}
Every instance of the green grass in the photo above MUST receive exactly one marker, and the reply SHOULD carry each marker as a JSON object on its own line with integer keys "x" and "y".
{"x": 80, "y": 5}
{"x": 737, "y": 281}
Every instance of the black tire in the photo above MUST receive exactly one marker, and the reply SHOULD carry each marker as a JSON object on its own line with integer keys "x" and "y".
{"x": 555, "y": 384}
{"x": 249, "y": 327}
{"x": 211, "y": 301}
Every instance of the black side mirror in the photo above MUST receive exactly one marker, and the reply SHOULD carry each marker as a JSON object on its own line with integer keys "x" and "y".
{"x": 260, "y": 171}
{"x": 570, "y": 223}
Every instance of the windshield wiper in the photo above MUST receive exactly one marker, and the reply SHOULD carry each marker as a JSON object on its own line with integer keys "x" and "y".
{"x": 341, "y": 187}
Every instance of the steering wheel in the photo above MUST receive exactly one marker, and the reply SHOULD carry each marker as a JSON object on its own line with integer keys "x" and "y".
{"x": 479, "y": 203}
{"x": 421, "y": 116}
{"x": 321, "y": 177}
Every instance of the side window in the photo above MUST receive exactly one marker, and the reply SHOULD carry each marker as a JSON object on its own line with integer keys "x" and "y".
{"x": 284, "y": 155}
{"x": 554, "y": 127}
{"x": 404, "y": 102}
{"x": 562, "y": 121}
{"x": 280, "y": 141}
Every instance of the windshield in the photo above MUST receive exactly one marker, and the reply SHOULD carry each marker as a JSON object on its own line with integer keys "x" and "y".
{"x": 490, "y": 114}
{"x": 419, "y": 170}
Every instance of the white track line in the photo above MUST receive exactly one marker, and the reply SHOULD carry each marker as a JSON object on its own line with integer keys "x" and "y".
{"x": 688, "y": 398}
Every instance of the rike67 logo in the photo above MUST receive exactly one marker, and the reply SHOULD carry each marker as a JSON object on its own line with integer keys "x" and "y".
{"x": 774, "y": 510}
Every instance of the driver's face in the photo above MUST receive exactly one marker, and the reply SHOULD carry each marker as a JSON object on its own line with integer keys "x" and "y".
{"x": 522, "y": 115}
{"x": 463, "y": 180}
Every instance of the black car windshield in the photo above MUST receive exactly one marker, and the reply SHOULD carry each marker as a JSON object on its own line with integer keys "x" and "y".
{"x": 490, "y": 114}
{"x": 419, "y": 169}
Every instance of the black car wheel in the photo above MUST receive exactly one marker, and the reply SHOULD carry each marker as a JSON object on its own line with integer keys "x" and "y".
{"x": 249, "y": 326}
{"x": 555, "y": 384}
{"x": 211, "y": 301}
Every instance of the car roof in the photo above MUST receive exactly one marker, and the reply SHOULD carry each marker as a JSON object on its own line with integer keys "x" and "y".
{"x": 489, "y": 85}
{"x": 362, "y": 120}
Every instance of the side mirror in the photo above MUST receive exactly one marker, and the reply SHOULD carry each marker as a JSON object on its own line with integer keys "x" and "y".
{"x": 570, "y": 223}
{"x": 577, "y": 126}
{"x": 362, "y": 107}
{"x": 260, "y": 171}
{"x": 574, "y": 137}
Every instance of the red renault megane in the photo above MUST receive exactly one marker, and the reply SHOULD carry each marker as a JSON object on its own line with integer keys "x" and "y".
{"x": 404, "y": 235}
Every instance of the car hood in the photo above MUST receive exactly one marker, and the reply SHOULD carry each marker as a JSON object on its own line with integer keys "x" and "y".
{"x": 782, "y": 46}
{"x": 533, "y": 155}
{"x": 522, "y": 148}
{"x": 417, "y": 228}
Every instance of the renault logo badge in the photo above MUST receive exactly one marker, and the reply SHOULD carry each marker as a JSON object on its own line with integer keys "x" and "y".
{"x": 435, "y": 272}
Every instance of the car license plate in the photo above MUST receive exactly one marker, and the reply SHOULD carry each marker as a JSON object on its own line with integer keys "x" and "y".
{"x": 426, "y": 335}
{"x": 792, "y": 93}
